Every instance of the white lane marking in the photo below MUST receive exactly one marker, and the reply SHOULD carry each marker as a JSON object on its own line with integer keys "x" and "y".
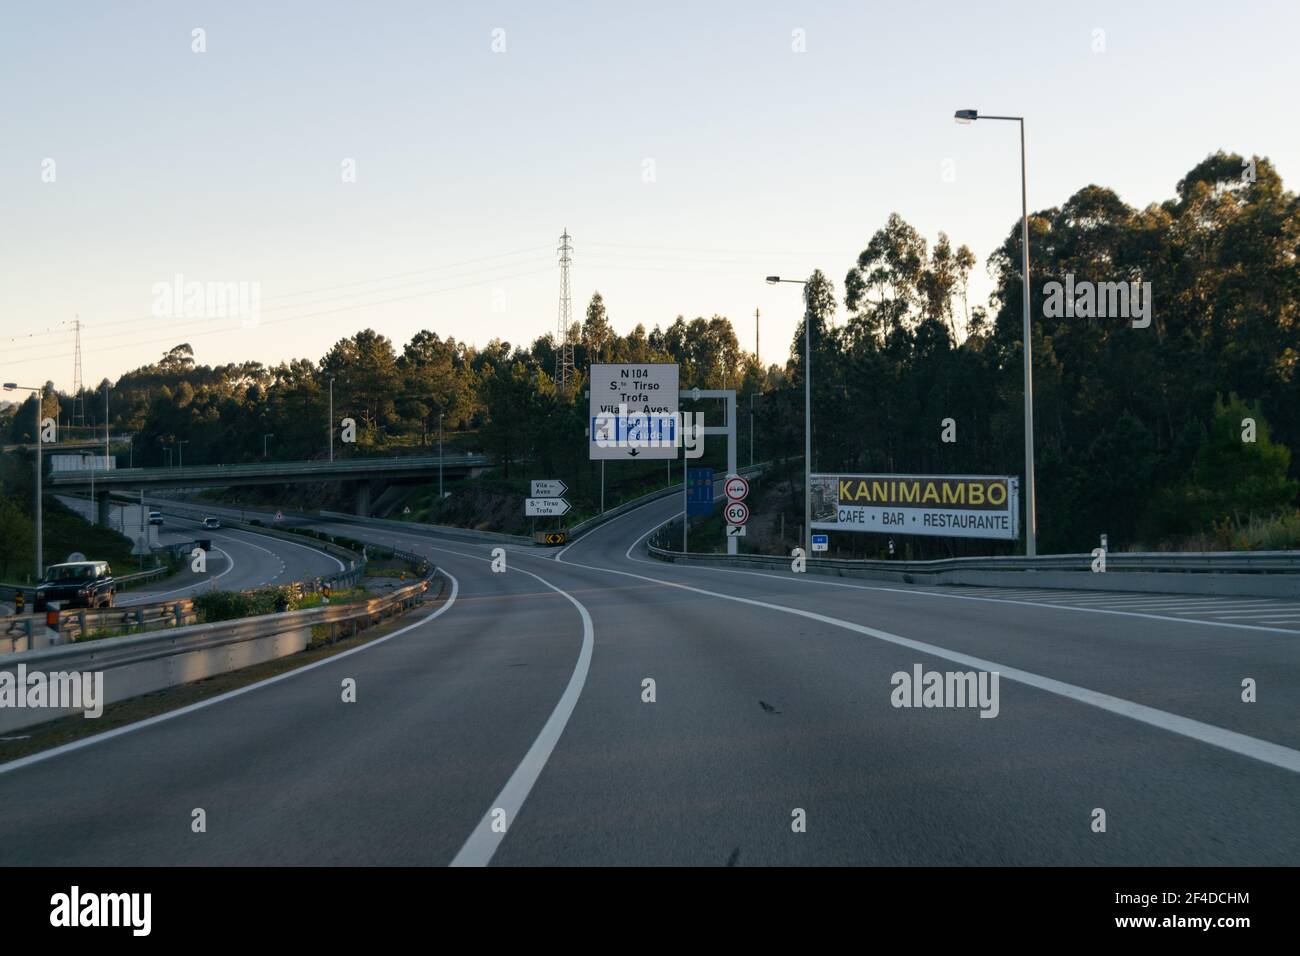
{"x": 1260, "y": 612}
{"x": 295, "y": 544}
{"x": 1242, "y": 744}
{"x": 230, "y": 561}
{"x": 1166, "y": 601}
{"x": 200, "y": 705}
{"x": 817, "y": 579}
{"x": 484, "y": 841}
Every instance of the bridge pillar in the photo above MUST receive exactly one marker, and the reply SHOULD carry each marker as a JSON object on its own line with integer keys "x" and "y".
{"x": 362, "y": 508}
{"x": 104, "y": 509}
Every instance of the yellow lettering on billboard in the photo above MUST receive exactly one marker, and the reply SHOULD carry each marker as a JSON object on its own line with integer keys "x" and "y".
{"x": 997, "y": 493}
{"x": 975, "y": 494}
{"x": 931, "y": 493}
{"x": 908, "y": 491}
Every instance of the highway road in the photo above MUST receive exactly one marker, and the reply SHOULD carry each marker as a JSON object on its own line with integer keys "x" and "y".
{"x": 516, "y": 703}
{"x": 238, "y": 560}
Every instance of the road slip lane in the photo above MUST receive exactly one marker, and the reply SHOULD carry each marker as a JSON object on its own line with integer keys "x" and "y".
{"x": 289, "y": 774}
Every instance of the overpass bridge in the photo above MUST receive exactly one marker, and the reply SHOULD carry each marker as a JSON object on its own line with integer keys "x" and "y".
{"x": 362, "y": 472}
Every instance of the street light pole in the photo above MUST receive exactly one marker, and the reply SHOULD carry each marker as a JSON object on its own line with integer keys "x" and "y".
{"x": 264, "y": 438}
{"x": 1031, "y": 508}
{"x": 180, "y": 452}
{"x": 331, "y": 423}
{"x": 440, "y": 457}
{"x": 751, "y": 429}
{"x": 807, "y": 413}
{"x": 39, "y": 395}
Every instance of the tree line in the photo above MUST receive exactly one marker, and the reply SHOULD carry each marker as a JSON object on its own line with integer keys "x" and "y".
{"x": 1140, "y": 432}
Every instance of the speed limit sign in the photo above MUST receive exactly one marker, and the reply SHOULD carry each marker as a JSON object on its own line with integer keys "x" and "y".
{"x": 737, "y": 512}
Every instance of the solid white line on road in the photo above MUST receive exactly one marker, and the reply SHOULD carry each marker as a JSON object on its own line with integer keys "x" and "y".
{"x": 1246, "y": 746}
{"x": 1172, "y": 603}
{"x": 238, "y": 692}
{"x": 230, "y": 561}
{"x": 819, "y": 580}
{"x": 484, "y": 841}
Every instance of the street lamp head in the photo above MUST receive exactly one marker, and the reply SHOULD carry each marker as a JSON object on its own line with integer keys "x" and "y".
{"x": 771, "y": 280}
{"x": 10, "y": 386}
{"x": 966, "y": 116}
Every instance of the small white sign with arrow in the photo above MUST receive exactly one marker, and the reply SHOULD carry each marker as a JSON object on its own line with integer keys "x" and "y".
{"x": 549, "y": 488}
{"x": 545, "y": 507}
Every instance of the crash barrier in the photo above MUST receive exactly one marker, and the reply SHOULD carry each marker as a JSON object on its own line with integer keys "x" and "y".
{"x": 467, "y": 534}
{"x": 1244, "y": 573}
{"x": 140, "y": 664}
{"x": 76, "y": 624}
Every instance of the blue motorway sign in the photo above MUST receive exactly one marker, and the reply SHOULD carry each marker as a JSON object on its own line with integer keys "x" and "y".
{"x": 699, "y": 491}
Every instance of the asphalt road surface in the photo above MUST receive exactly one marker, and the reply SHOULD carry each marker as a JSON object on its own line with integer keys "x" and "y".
{"x": 509, "y": 724}
{"x": 238, "y": 560}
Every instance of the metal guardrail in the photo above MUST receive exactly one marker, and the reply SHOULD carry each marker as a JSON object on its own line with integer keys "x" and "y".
{"x": 113, "y": 652}
{"x": 132, "y": 662}
{"x": 420, "y": 526}
{"x": 1261, "y": 562}
{"x": 76, "y": 623}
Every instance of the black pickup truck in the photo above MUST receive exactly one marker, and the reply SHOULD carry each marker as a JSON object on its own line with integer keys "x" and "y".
{"x": 76, "y": 584}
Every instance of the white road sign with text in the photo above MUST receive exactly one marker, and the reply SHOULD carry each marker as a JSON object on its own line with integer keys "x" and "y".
{"x": 633, "y": 412}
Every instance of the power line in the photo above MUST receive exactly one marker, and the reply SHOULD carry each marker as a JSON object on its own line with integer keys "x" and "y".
{"x": 289, "y": 295}
{"x": 309, "y": 315}
{"x": 203, "y": 321}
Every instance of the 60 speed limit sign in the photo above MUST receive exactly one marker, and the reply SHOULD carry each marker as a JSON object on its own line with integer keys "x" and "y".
{"x": 737, "y": 512}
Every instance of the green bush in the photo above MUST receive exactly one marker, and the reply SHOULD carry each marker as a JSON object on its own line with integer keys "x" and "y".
{"x": 212, "y": 606}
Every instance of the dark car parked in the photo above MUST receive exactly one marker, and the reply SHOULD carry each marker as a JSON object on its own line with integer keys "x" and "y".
{"x": 76, "y": 584}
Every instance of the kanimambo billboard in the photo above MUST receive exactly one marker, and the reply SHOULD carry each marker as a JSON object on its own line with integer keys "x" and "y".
{"x": 957, "y": 506}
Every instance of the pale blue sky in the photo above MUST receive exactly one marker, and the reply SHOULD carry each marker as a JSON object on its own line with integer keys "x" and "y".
{"x": 226, "y": 165}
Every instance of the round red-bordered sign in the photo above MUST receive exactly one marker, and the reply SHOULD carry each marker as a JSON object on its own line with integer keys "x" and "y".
{"x": 737, "y": 512}
{"x": 737, "y": 488}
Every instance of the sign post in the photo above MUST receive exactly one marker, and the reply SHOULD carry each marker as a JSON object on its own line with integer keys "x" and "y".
{"x": 737, "y": 488}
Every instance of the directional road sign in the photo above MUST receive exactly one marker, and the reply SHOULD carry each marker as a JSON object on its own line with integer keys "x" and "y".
{"x": 549, "y": 488}
{"x": 737, "y": 512}
{"x": 633, "y": 411}
{"x": 736, "y": 530}
{"x": 545, "y": 507}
